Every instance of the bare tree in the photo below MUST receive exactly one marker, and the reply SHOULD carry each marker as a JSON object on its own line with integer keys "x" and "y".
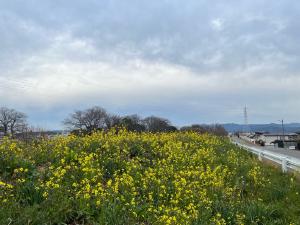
{"x": 12, "y": 121}
{"x": 157, "y": 124}
{"x": 219, "y": 130}
{"x": 89, "y": 120}
{"x": 113, "y": 121}
{"x": 213, "y": 129}
{"x": 196, "y": 128}
{"x": 133, "y": 123}
{"x": 5, "y": 119}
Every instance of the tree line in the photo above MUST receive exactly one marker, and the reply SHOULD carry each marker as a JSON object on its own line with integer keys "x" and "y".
{"x": 86, "y": 121}
{"x": 97, "y": 118}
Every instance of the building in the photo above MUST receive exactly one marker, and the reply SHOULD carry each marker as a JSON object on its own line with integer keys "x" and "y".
{"x": 273, "y": 139}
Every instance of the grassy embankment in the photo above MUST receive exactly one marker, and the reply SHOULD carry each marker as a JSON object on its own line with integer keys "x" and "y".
{"x": 130, "y": 178}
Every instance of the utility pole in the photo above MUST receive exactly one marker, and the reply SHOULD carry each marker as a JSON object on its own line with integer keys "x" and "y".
{"x": 282, "y": 129}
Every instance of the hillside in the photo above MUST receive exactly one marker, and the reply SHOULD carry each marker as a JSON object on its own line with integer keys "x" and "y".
{"x": 132, "y": 178}
{"x": 272, "y": 127}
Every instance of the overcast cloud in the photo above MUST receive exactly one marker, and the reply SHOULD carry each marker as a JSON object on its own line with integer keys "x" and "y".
{"x": 191, "y": 61}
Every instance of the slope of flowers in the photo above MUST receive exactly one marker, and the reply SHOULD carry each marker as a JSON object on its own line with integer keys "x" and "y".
{"x": 131, "y": 178}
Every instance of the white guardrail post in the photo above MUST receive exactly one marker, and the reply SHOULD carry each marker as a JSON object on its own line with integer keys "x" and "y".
{"x": 284, "y": 165}
{"x": 260, "y": 156}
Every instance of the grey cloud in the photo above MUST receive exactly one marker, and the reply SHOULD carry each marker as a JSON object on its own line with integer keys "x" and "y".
{"x": 181, "y": 31}
{"x": 245, "y": 42}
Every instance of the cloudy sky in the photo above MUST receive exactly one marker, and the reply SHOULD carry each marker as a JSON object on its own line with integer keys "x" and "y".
{"x": 191, "y": 61}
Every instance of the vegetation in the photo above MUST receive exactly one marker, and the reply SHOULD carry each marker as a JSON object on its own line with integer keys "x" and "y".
{"x": 96, "y": 118}
{"x": 12, "y": 121}
{"x": 84, "y": 122}
{"x": 201, "y": 129}
{"x": 141, "y": 178}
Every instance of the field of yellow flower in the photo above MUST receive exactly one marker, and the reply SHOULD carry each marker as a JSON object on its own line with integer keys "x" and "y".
{"x": 141, "y": 178}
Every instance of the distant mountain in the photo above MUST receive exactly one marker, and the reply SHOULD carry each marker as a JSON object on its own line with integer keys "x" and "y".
{"x": 271, "y": 128}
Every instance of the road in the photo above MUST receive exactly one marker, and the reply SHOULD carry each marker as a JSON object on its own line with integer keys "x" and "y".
{"x": 283, "y": 151}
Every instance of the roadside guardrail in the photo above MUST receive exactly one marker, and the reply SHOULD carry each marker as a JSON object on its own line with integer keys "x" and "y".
{"x": 286, "y": 162}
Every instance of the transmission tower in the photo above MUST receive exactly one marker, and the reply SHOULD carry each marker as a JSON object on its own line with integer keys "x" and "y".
{"x": 246, "y": 125}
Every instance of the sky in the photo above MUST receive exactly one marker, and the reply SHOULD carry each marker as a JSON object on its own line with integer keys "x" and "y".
{"x": 191, "y": 61}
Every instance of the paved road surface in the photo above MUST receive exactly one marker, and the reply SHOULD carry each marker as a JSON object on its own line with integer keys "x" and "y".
{"x": 283, "y": 151}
